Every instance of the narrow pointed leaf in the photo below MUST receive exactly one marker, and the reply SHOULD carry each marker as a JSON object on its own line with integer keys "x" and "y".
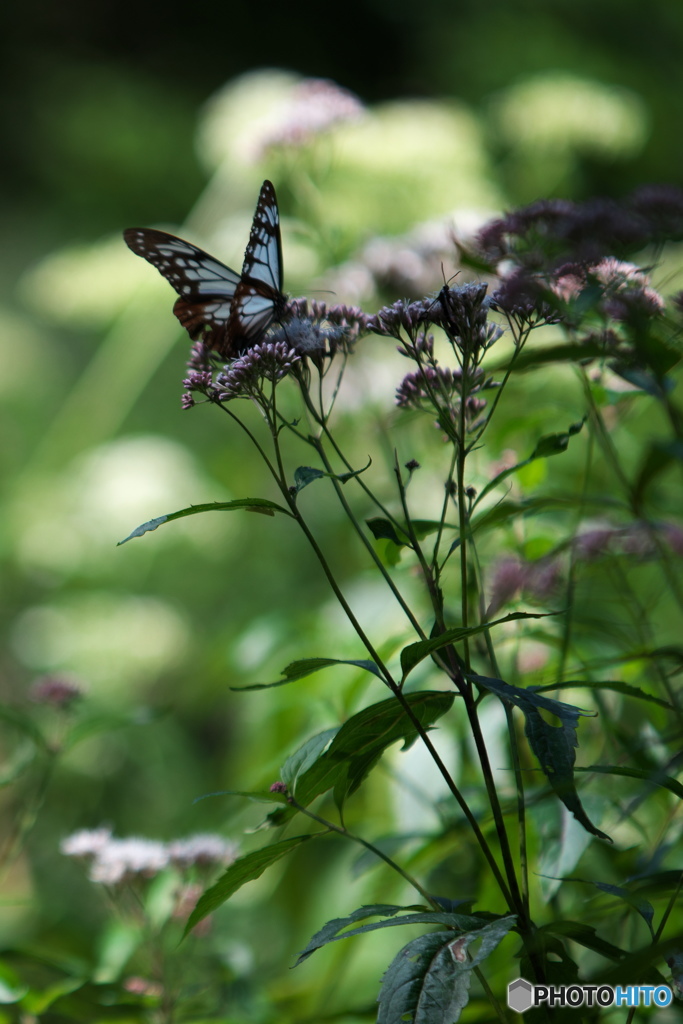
{"x": 615, "y": 685}
{"x": 243, "y": 870}
{"x": 551, "y": 444}
{"x": 585, "y": 936}
{"x": 306, "y": 667}
{"x": 417, "y": 652}
{"x": 352, "y": 473}
{"x": 261, "y": 505}
{"x": 333, "y": 931}
{"x": 654, "y": 778}
{"x": 641, "y": 906}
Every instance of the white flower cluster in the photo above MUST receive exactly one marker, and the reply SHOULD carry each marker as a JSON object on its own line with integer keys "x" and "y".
{"x": 113, "y": 861}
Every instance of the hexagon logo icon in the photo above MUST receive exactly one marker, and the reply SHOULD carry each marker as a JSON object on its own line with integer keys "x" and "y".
{"x": 520, "y": 995}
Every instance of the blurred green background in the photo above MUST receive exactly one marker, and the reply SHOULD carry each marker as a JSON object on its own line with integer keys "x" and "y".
{"x": 117, "y": 114}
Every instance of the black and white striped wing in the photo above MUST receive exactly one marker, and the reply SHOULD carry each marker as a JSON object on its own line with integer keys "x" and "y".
{"x": 258, "y": 297}
{"x": 206, "y": 287}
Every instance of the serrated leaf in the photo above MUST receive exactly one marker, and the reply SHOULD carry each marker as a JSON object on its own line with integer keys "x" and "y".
{"x": 360, "y": 743}
{"x": 428, "y": 982}
{"x": 260, "y": 505}
{"x": 553, "y": 746}
{"x": 333, "y": 931}
{"x": 616, "y": 685}
{"x": 332, "y": 928}
{"x": 244, "y": 869}
{"x": 413, "y": 654}
{"x": 306, "y": 667}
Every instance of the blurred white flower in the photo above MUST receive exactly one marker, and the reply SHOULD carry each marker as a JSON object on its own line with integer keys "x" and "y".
{"x": 203, "y": 848}
{"x": 119, "y": 860}
{"x": 85, "y": 842}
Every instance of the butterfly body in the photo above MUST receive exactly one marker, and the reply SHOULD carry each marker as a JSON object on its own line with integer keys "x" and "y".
{"x": 229, "y": 312}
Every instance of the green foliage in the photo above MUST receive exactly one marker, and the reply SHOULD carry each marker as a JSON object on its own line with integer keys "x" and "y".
{"x": 450, "y": 580}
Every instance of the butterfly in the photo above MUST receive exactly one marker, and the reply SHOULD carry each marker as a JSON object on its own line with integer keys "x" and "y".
{"x": 229, "y": 312}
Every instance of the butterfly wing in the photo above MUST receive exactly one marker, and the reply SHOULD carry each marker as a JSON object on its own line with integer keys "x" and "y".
{"x": 258, "y": 297}
{"x": 205, "y": 285}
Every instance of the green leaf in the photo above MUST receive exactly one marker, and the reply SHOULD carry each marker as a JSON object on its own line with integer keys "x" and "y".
{"x": 585, "y": 936}
{"x": 640, "y": 905}
{"x": 382, "y": 529}
{"x": 333, "y": 931}
{"x": 243, "y": 870}
{"x": 390, "y": 845}
{"x": 305, "y": 475}
{"x": 15, "y": 766}
{"x": 345, "y": 477}
{"x": 645, "y": 382}
{"x": 306, "y": 667}
{"x": 24, "y": 723}
{"x": 360, "y": 743}
{"x": 531, "y": 358}
{"x": 553, "y": 745}
{"x": 12, "y": 988}
{"x": 654, "y": 778}
{"x": 658, "y": 457}
{"x": 417, "y": 652}
{"x": 555, "y": 444}
{"x": 305, "y": 757}
{"x": 551, "y": 444}
{"x": 260, "y": 505}
{"x": 261, "y": 796}
{"x": 37, "y": 1002}
{"x": 606, "y": 684}
{"x": 330, "y": 931}
{"x": 654, "y": 350}
{"x": 428, "y": 982}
